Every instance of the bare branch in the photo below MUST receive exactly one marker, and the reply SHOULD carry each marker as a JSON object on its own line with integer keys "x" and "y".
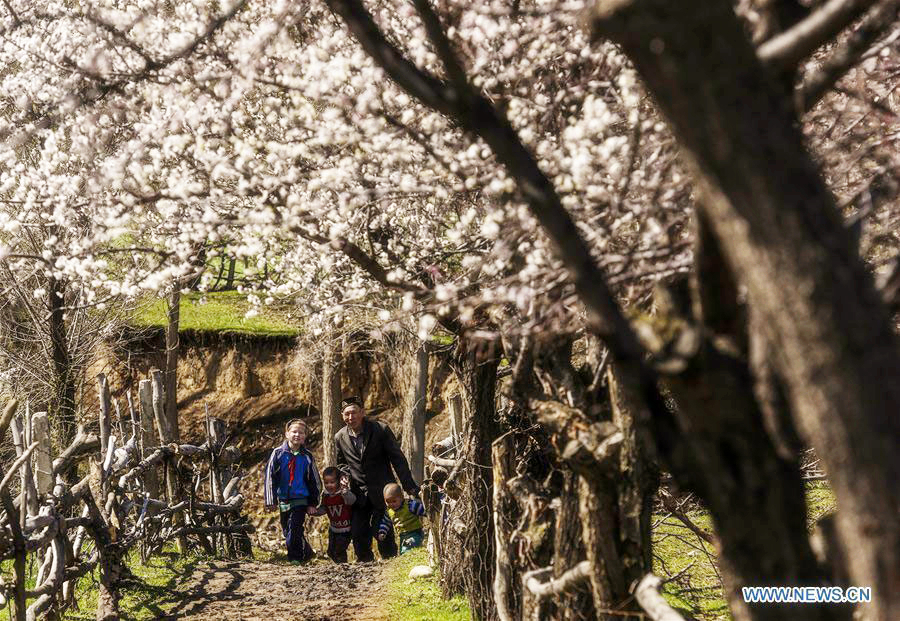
{"x": 647, "y": 595}
{"x": 673, "y": 507}
{"x": 16, "y": 464}
{"x": 846, "y": 54}
{"x": 535, "y": 581}
{"x": 787, "y": 49}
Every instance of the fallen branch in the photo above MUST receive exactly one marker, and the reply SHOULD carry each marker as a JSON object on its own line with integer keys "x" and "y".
{"x": 542, "y": 585}
{"x": 442, "y": 462}
{"x": 675, "y": 509}
{"x": 648, "y": 597}
{"x": 82, "y": 445}
{"x": 209, "y": 530}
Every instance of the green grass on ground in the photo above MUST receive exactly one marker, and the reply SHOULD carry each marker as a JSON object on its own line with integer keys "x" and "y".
{"x": 678, "y": 552}
{"x": 222, "y": 311}
{"x": 149, "y": 599}
{"x": 420, "y": 599}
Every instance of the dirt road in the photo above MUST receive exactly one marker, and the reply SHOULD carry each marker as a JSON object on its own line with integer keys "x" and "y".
{"x": 258, "y": 591}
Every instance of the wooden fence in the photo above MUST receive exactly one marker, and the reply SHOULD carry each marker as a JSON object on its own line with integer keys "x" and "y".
{"x": 106, "y": 488}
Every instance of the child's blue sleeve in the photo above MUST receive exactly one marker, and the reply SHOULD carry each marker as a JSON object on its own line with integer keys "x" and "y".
{"x": 416, "y": 507}
{"x": 270, "y": 479}
{"x": 384, "y": 526}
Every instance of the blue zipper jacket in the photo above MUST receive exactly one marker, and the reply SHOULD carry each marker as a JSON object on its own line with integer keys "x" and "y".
{"x": 291, "y": 476}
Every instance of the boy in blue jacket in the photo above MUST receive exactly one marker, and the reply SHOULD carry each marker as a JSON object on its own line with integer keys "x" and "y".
{"x": 292, "y": 481}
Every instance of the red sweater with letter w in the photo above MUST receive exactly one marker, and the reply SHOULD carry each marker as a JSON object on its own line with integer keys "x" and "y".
{"x": 338, "y": 508}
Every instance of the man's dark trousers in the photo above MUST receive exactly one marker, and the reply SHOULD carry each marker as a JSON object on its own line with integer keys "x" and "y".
{"x": 292, "y": 522}
{"x": 364, "y": 525}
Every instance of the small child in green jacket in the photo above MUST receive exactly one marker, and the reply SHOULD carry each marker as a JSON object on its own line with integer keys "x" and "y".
{"x": 403, "y": 517}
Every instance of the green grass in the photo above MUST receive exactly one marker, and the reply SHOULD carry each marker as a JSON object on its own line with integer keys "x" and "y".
{"x": 697, "y": 592}
{"x": 222, "y": 312}
{"x": 420, "y": 599}
{"x": 676, "y": 550}
{"x": 150, "y": 598}
{"x": 147, "y": 599}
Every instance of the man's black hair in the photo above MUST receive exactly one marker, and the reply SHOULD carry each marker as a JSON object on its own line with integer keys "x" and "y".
{"x": 352, "y": 400}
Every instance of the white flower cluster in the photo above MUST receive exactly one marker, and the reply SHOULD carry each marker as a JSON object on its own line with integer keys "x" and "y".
{"x": 148, "y": 140}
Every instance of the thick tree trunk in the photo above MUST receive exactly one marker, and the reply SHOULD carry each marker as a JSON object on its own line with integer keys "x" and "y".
{"x": 784, "y": 238}
{"x": 331, "y": 400}
{"x": 476, "y": 367}
{"x": 568, "y": 549}
{"x": 414, "y": 418}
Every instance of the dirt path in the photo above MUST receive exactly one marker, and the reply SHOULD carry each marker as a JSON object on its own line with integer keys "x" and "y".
{"x": 258, "y": 591}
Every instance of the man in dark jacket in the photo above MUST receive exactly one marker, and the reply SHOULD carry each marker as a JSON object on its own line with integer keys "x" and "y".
{"x": 366, "y": 450}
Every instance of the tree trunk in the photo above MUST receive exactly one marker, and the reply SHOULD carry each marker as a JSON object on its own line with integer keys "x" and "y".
{"x": 414, "y": 418}
{"x": 62, "y": 373}
{"x": 505, "y": 590}
{"x": 784, "y": 238}
{"x": 476, "y": 367}
{"x": 568, "y": 549}
{"x": 331, "y": 402}
{"x": 229, "y": 279}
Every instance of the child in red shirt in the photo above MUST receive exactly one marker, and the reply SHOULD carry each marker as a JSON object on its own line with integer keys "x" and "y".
{"x": 337, "y": 504}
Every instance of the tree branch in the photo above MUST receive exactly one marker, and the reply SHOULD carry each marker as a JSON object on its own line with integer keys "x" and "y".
{"x": 647, "y": 595}
{"x": 535, "y": 581}
{"x": 787, "y": 49}
{"x": 845, "y": 55}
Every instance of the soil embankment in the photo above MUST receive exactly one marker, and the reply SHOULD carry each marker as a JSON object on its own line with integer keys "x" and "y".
{"x": 256, "y": 384}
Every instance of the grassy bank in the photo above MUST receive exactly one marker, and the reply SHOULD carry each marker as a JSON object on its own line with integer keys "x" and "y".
{"x": 419, "y": 599}
{"x": 223, "y": 311}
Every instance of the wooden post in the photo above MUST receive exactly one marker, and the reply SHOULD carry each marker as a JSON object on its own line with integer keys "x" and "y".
{"x": 414, "y": 419}
{"x": 103, "y": 389}
{"x": 171, "y": 373}
{"x": 43, "y": 464}
{"x": 331, "y": 398}
{"x": 166, "y": 435}
{"x": 30, "y": 496}
{"x": 148, "y": 435}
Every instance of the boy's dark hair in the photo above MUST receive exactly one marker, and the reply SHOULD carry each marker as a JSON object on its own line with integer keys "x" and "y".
{"x": 332, "y": 471}
{"x": 295, "y": 421}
